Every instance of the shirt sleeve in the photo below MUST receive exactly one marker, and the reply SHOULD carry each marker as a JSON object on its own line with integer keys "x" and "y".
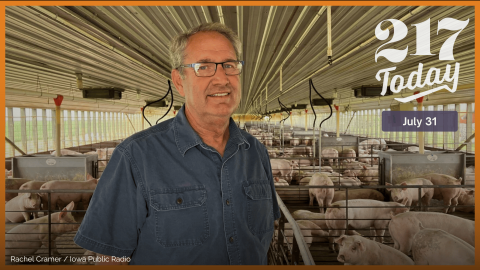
{"x": 116, "y": 211}
{"x": 268, "y": 166}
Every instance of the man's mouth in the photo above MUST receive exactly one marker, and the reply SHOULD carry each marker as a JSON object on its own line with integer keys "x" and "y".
{"x": 219, "y": 95}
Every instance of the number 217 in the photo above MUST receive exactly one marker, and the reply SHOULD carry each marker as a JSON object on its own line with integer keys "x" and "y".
{"x": 423, "y": 38}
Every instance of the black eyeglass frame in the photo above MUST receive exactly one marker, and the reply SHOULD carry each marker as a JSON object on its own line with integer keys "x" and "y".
{"x": 192, "y": 65}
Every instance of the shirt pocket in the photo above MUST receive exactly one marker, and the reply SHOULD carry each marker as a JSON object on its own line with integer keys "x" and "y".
{"x": 181, "y": 217}
{"x": 259, "y": 207}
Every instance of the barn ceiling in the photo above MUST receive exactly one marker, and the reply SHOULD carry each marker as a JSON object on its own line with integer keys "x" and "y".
{"x": 127, "y": 47}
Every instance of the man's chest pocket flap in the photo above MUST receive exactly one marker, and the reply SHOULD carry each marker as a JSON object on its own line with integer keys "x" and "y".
{"x": 178, "y": 198}
{"x": 259, "y": 191}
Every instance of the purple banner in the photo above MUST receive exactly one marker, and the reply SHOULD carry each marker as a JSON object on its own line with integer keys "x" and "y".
{"x": 425, "y": 121}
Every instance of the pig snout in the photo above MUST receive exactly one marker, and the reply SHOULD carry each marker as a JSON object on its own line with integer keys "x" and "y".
{"x": 341, "y": 258}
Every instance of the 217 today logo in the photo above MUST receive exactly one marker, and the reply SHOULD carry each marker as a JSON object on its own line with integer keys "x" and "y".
{"x": 423, "y": 48}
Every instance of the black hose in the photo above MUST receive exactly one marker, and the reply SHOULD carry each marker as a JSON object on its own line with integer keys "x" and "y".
{"x": 148, "y": 104}
{"x": 171, "y": 103}
{"x": 331, "y": 111}
{"x": 286, "y": 109}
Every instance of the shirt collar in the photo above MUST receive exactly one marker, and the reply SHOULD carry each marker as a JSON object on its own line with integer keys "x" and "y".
{"x": 186, "y": 137}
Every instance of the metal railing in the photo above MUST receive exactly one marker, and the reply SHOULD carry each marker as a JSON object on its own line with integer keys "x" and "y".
{"x": 291, "y": 256}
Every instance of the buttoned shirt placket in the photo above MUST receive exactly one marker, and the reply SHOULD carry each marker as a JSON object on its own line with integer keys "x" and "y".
{"x": 231, "y": 238}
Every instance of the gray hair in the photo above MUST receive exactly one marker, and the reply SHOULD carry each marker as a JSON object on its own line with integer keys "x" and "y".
{"x": 179, "y": 42}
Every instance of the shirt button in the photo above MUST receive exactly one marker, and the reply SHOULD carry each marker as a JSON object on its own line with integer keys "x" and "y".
{"x": 228, "y": 202}
{"x": 231, "y": 239}
{"x": 179, "y": 201}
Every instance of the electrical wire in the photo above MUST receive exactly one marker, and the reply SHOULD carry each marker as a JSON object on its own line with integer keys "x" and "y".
{"x": 148, "y": 104}
{"x": 331, "y": 111}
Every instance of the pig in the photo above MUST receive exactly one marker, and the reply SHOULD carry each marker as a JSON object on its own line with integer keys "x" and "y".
{"x": 448, "y": 195}
{"x": 300, "y": 151}
{"x": 26, "y": 239}
{"x": 304, "y": 162}
{"x": 353, "y": 194}
{"x": 409, "y": 196}
{"x": 284, "y": 168}
{"x": 365, "y": 174}
{"x": 367, "y": 144}
{"x": 354, "y": 165}
{"x": 383, "y": 145}
{"x": 467, "y": 197}
{"x": 370, "y": 159}
{"x": 324, "y": 196}
{"x": 305, "y": 181}
{"x": 357, "y": 250}
{"x": 32, "y": 185}
{"x": 24, "y": 201}
{"x": 437, "y": 247}
{"x": 361, "y": 218}
{"x": 350, "y": 181}
{"x": 470, "y": 169}
{"x": 325, "y": 135}
{"x": 330, "y": 154}
{"x": 403, "y": 227}
{"x": 350, "y": 155}
{"x": 66, "y": 152}
{"x": 104, "y": 155}
{"x": 13, "y": 184}
{"x": 60, "y": 199}
{"x": 309, "y": 231}
{"x": 319, "y": 220}
{"x": 280, "y": 182}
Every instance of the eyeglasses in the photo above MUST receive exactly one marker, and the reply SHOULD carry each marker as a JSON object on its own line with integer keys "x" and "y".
{"x": 209, "y": 69}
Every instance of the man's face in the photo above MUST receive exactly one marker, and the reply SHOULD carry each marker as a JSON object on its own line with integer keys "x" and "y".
{"x": 198, "y": 91}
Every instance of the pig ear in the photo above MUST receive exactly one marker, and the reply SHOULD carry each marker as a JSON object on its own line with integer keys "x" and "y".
{"x": 360, "y": 245}
{"x": 340, "y": 239}
{"x": 62, "y": 214}
{"x": 388, "y": 184}
{"x": 470, "y": 192}
{"x": 276, "y": 179}
{"x": 70, "y": 206}
{"x": 403, "y": 184}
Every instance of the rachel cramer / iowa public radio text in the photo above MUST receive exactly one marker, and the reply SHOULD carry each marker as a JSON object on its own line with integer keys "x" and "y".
{"x": 70, "y": 259}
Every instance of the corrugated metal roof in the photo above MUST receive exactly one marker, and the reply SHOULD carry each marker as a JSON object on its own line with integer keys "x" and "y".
{"x": 127, "y": 47}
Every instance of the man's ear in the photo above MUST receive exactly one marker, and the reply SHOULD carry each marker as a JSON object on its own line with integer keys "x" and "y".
{"x": 177, "y": 81}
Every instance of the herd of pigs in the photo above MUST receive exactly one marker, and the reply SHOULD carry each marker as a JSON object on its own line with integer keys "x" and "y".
{"x": 428, "y": 237}
{"x": 32, "y": 232}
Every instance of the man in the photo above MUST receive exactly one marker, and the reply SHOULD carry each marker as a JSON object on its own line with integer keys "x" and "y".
{"x": 194, "y": 189}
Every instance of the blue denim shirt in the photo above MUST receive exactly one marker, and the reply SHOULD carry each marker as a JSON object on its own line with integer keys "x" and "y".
{"x": 168, "y": 198}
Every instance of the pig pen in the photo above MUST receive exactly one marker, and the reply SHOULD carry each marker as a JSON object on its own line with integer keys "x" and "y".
{"x": 319, "y": 248}
{"x": 70, "y": 253}
{"x": 397, "y": 166}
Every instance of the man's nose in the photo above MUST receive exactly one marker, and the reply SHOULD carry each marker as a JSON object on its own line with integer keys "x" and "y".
{"x": 220, "y": 77}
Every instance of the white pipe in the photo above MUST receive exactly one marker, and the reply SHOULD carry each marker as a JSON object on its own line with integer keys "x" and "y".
{"x": 220, "y": 14}
{"x": 266, "y": 33}
{"x": 421, "y": 140}
{"x": 410, "y": 14}
{"x": 329, "y": 34}
{"x": 287, "y": 41}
